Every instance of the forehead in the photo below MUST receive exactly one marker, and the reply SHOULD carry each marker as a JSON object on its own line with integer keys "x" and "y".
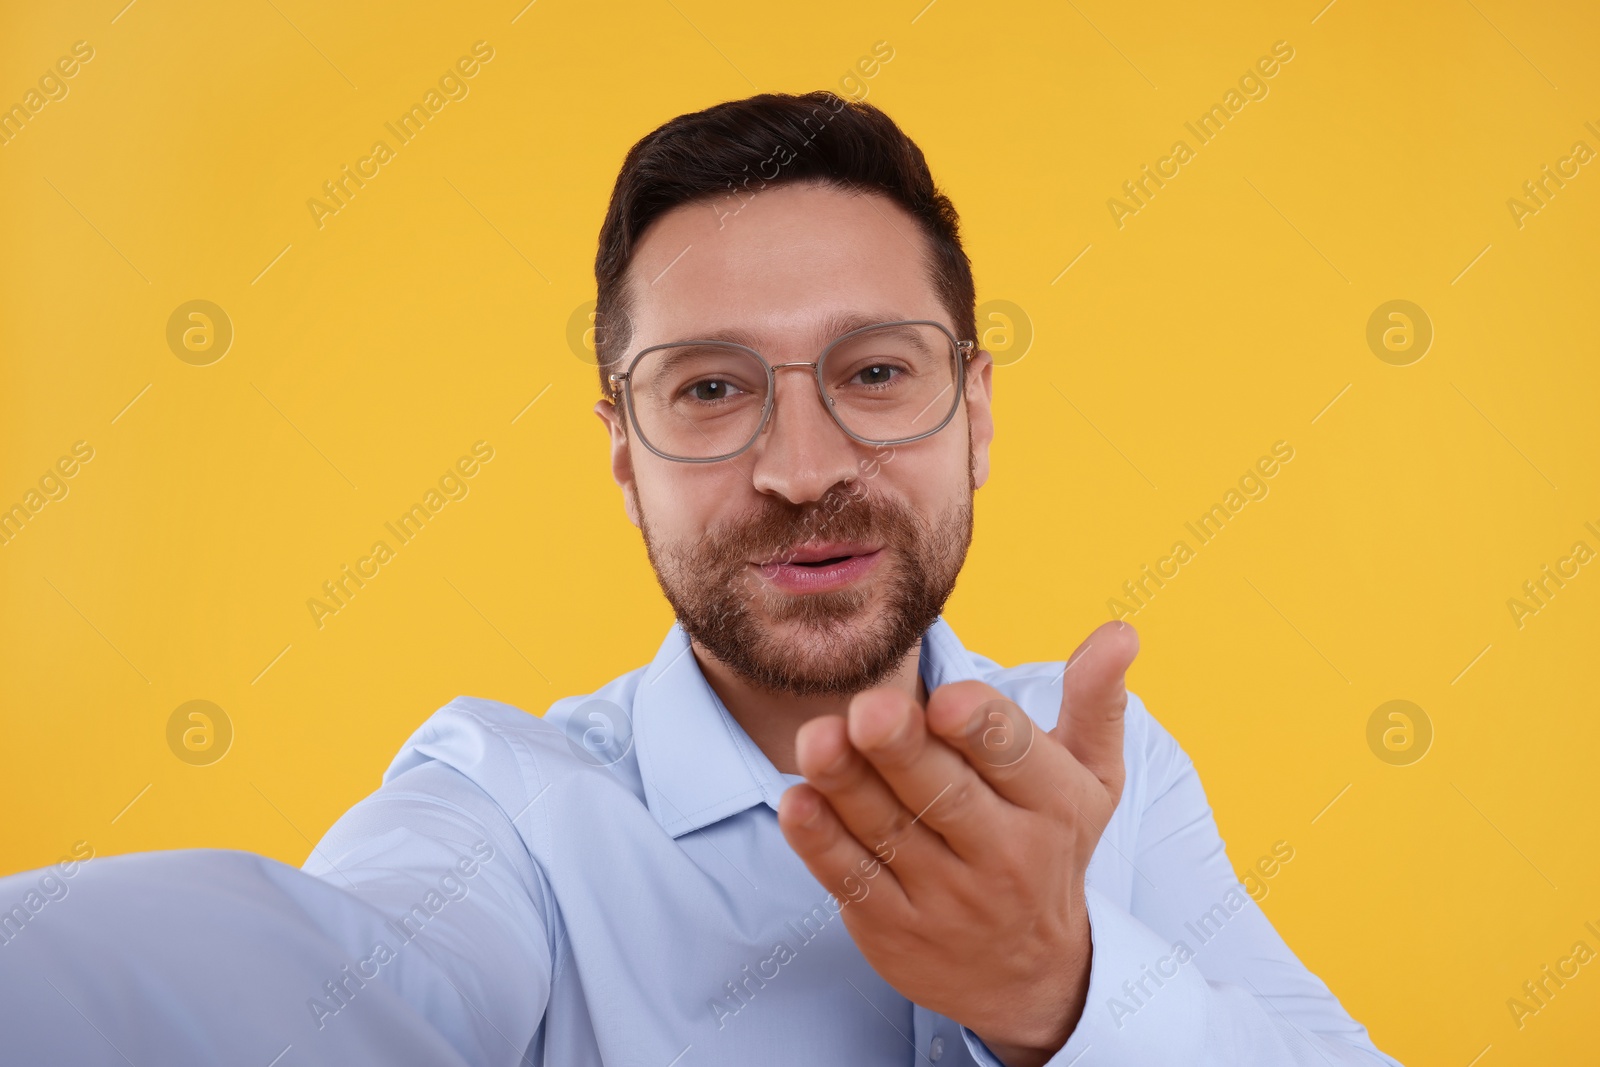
{"x": 787, "y": 267}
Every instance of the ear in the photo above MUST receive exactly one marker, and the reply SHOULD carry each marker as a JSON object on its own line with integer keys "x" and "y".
{"x": 980, "y": 417}
{"x": 621, "y": 457}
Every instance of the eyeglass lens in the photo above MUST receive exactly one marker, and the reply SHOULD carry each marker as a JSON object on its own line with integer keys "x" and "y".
{"x": 702, "y": 400}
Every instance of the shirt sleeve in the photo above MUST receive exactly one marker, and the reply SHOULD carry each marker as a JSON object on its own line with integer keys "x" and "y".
{"x": 442, "y": 861}
{"x": 195, "y": 957}
{"x": 1193, "y": 971}
{"x": 415, "y": 933}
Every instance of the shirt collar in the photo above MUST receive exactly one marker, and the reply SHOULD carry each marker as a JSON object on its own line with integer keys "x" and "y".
{"x": 696, "y": 762}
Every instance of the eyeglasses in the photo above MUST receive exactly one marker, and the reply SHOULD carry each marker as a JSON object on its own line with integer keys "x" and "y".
{"x": 703, "y": 401}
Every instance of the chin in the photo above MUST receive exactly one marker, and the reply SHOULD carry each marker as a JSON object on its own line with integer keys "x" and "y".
{"x": 841, "y": 612}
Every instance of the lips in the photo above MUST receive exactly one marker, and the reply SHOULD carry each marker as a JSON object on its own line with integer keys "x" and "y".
{"x": 820, "y": 566}
{"x": 820, "y": 552}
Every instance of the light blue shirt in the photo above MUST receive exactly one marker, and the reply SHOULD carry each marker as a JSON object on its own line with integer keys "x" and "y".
{"x": 608, "y": 884}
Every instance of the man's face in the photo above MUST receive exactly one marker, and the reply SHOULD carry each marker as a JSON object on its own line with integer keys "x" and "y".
{"x": 810, "y": 564}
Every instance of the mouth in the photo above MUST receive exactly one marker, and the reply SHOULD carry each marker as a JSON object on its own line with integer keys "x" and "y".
{"x": 818, "y": 567}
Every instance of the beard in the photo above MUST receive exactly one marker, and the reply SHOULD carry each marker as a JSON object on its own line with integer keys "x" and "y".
{"x": 830, "y": 643}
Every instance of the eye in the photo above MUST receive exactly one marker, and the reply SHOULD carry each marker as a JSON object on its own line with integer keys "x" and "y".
{"x": 875, "y": 374}
{"x": 712, "y": 389}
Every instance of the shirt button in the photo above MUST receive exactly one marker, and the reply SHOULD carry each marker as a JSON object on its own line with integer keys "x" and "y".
{"x": 936, "y": 1048}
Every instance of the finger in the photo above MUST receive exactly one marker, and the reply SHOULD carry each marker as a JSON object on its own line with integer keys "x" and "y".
{"x": 928, "y": 776}
{"x": 1020, "y": 762}
{"x": 833, "y": 855}
{"x": 871, "y": 811}
{"x": 1094, "y": 696}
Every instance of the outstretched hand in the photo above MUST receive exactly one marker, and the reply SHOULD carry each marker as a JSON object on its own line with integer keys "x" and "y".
{"x": 957, "y": 837}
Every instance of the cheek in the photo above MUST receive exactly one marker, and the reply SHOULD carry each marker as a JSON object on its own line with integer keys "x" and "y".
{"x": 681, "y": 501}
{"x": 933, "y": 487}
{"x": 931, "y": 475}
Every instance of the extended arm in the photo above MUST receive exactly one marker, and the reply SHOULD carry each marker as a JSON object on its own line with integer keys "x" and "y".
{"x": 423, "y": 941}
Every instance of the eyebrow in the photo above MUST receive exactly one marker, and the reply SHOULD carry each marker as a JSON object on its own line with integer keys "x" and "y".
{"x": 831, "y": 327}
{"x": 676, "y": 356}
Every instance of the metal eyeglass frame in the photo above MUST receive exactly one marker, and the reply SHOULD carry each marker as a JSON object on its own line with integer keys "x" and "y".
{"x": 622, "y": 385}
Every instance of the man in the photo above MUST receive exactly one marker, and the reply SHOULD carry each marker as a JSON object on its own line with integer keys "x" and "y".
{"x": 814, "y": 828}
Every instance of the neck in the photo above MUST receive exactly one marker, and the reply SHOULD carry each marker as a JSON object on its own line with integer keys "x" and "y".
{"x": 771, "y": 719}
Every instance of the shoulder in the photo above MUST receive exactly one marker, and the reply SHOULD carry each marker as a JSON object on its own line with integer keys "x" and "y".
{"x": 513, "y": 754}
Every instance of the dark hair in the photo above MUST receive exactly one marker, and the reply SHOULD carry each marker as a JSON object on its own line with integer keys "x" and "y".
{"x": 743, "y": 146}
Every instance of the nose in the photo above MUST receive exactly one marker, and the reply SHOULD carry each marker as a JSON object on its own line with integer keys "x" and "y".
{"x": 802, "y": 453}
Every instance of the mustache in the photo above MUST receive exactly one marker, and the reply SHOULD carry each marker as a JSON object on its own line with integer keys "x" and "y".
{"x": 770, "y": 533}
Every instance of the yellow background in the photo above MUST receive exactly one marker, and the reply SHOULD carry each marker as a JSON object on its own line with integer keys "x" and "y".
{"x": 1226, "y": 315}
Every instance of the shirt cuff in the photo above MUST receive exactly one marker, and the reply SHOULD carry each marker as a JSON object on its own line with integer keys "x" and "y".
{"x": 1146, "y": 1001}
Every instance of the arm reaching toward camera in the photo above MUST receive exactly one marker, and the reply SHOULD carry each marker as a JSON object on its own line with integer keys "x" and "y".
{"x": 202, "y": 956}
{"x": 417, "y": 937}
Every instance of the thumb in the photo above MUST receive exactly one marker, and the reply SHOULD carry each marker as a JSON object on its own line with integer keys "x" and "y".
{"x": 1094, "y": 696}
